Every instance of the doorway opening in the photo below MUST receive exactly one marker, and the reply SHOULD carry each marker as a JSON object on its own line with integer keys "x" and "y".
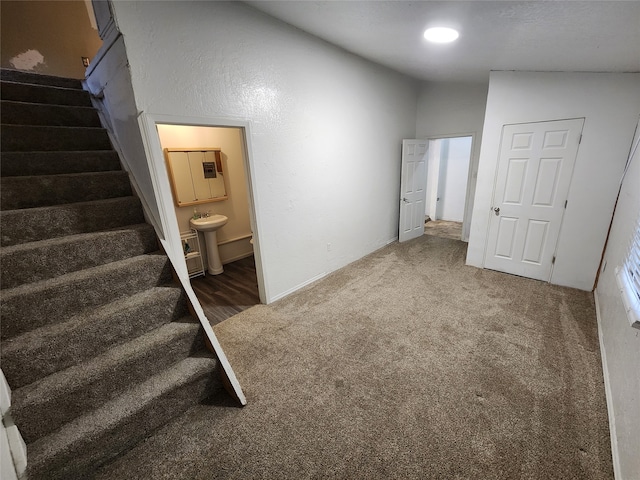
{"x": 448, "y": 169}
{"x": 207, "y": 169}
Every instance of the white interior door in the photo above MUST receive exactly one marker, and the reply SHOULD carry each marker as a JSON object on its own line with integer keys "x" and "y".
{"x": 532, "y": 183}
{"x": 412, "y": 189}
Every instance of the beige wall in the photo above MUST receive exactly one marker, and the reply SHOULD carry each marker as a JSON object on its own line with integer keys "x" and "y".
{"x": 236, "y": 207}
{"x": 47, "y": 37}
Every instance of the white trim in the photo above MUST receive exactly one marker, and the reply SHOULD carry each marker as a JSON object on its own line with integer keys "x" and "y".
{"x": 609, "y": 396}
{"x": 629, "y": 299}
{"x": 13, "y": 451}
{"x": 237, "y": 257}
{"x": 156, "y": 167}
{"x": 236, "y": 239}
{"x": 172, "y": 243}
{"x": 299, "y": 286}
{"x": 91, "y": 13}
{"x": 468, "y": 199}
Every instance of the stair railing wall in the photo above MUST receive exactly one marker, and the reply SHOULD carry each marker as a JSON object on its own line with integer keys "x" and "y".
{"x": 13, "y": 451}
{"x": 109, "y": 81}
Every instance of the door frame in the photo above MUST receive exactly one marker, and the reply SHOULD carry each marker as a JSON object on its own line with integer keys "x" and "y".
{"x": 162, "y": 186}
{"x": 471, "y": 177}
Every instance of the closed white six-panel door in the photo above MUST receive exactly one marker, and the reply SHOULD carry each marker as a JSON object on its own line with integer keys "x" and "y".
{"x": 532, "y": 183}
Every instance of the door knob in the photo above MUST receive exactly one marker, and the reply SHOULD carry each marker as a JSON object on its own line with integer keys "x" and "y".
{"x": 497, "y": 211}
{"x": 405, "y": 200}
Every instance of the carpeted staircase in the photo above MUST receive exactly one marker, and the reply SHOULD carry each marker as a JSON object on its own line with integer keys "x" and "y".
{"x": 97, "y": 342}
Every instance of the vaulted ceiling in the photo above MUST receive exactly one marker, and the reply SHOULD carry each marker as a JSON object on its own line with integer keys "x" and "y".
{"x": 597, "y": 36}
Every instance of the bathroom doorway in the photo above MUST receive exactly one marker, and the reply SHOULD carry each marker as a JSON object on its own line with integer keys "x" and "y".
{"x": 219, "y": 153}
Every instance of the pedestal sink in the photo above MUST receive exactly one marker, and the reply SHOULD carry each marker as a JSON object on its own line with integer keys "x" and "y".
{"x": 209, "y": 225}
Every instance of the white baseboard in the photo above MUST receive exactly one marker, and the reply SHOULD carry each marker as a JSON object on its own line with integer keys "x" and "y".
{"x": 237, "y": 257}
{"x": 297, "y": 287}
{"x": 607, "y": 390}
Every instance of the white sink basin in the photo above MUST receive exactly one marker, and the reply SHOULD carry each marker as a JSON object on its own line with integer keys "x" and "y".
{"x": 210, "y": 223}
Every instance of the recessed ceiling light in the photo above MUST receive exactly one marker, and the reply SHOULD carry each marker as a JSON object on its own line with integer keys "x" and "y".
{"x": 441, "y": 34}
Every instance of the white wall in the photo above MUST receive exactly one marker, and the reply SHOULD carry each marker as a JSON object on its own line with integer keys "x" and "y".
{"x": 448, "y": 109}
{"x": 109, "y": 80}
{"x": 236, "y": 207}
{"x": 326, "y": 126}
{"x": 610, "y": 104}
{"x": 433, "y": 178}
{"x": 455, "y": 163}
{"x": 620, "y": 343}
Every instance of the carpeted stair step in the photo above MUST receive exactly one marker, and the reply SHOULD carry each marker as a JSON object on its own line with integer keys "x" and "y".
{"x": 35, "y": 305}
{"x": 54, "y": 163}
{"x": 44, "y": 406}
{"x": 43, "y": 190}
{"x": 78, "y": 448}
{"x": 33, "y": 224}
{"x": 36, "y": 261}
{"x": 28, "y": 138}
{"x": 41, "y": 352}
{"x": 9, "y": 75}
{"x": 53, "y": 95}
{"x": 23, "y": 113}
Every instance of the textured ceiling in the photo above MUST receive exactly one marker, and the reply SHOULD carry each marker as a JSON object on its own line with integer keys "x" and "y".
{"x": 599, "y": 36}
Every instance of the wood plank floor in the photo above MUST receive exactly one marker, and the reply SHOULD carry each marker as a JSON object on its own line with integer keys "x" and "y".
{"x": 223, "y": 296}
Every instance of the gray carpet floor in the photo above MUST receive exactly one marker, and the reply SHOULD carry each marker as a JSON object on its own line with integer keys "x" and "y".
{"x": 443, "y": 228}
{"x": 406, "y": 364}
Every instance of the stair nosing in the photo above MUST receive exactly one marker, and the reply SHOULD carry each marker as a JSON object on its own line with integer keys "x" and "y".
{"x": 67, "y": 127}
{"x": 61, "y": 175}
{"x": 77, "y": 275}
{"x": 46, "y": 105}
{"x": 55, "y": 152}
{"x": 83, "y": 318}
{"x": 57, "y": 383}
{"x": 32, "y": 210}
{"x": 109, "y": 415}
{"x": 10, "y": 249}
{"x": 44, "y": 85}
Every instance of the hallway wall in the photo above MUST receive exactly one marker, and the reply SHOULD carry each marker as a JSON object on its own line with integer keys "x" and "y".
{"x": 449, "y": 108}
{"x": 325, "y": 126}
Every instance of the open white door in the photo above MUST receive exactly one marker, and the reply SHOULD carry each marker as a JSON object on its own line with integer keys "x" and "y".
{"x": 532, "y": 183}
{"x": 413, "y": 189}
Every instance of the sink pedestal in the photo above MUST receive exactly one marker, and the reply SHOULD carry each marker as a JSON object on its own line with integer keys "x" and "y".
{"x": 209, "y": 225}
{"x": 214, "y": 265}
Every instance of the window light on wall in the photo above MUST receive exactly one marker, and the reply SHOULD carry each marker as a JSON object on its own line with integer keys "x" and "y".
{"x": 628, "y": 277}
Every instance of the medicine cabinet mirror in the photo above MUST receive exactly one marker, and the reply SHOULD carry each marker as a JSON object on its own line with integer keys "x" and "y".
{"x": 196, "y": 175}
